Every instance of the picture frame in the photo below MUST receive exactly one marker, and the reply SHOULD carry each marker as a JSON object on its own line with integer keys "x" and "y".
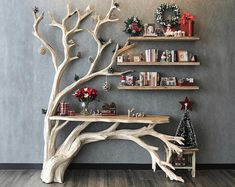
{"x": 182, "y": 56}
{"x": 149, "y": 29}
{"x": 136, "y": 58}
{"x": 130, "y": 80}
{"x": 120, "y": 59}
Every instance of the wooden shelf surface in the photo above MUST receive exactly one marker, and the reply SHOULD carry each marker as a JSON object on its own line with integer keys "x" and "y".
{"x": 158, "y": 87}
{"x": 159, "y": 119}
{"x": 158, "y": 63}
{"x": 155, "y": 38}
{"x": 183, "y": 167}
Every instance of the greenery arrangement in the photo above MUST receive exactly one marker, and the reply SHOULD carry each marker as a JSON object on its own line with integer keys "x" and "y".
{"x": 134, "y": 26}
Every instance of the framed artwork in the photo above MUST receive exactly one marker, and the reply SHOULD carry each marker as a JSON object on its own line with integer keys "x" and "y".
{"x": 149, "y": 30}
{"x": 129, "y": 80}
{"x": 183, "y": 56}
{"x": 120, "y": 59}
{"x": 136, "y": 59}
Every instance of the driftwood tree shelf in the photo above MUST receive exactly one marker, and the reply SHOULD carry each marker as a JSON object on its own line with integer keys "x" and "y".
{"x": 58, "y": 157}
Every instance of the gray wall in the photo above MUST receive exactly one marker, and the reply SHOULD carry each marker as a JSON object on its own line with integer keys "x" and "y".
{"x": 26, "y": 79}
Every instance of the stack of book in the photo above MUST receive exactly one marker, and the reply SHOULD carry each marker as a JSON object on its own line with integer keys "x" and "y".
{"x": 149, "y": 78}
{"x": 156, "y": 55}
{"x": 152, "y": 55}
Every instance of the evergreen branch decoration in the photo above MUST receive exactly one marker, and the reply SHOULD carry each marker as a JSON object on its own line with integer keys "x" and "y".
{"x": 134, "y": 26}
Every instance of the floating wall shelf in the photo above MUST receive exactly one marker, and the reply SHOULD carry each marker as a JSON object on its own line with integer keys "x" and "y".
{"x": 158, "y": 63}
{"x": 142, "y": 38}
{"x": 158, "y": 88}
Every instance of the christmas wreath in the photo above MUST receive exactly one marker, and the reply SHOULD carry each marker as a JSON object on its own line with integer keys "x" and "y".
{"x": 134, "y": 26}
{"x": 168, "y": 7}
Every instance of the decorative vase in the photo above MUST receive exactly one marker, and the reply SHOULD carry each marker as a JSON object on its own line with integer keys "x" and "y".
{"x": 85, "y": 110}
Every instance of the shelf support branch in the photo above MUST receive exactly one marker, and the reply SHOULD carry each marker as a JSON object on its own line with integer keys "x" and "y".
{"x": 64, "y": 154}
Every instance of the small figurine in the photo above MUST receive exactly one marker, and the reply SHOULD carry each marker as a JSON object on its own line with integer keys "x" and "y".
{"x": 193, "y": 58}
{"x": 163, "y": 56}
{"x": 130, "y": 112}
{"x": 123, "y": 80}
{"x": 159, "y": 32}
{"x": 142, "y": 57}
{"x": 168, "y": 55}
{"x": 169, "y": 31}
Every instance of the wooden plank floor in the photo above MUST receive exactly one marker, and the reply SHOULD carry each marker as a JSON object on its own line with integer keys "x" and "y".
{"x": 119, "y": 178}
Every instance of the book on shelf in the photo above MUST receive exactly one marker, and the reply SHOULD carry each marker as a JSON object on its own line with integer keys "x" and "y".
{"x": 149, "y": 78}
{"x": 151, "y": 55}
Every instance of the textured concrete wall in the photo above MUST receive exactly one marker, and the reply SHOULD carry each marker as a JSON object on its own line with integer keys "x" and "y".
{"x": 26, "y": 79}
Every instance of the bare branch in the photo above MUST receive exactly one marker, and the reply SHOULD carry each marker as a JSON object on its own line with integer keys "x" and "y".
{"x": 74, "y": 58}
{"x": 37, "y": 21}
{"x": 54, "y": 23}
{"x": 107, "y": 18}
{"x": 80, "y": 18}
{"x": 125, "y": 48}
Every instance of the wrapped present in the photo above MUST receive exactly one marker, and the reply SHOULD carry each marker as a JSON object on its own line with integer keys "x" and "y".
{"x": 186, "y": 23}
{"x": 64, "y": 109}
{"x": 71, "y": 113}
{"x": 109, "y": 109}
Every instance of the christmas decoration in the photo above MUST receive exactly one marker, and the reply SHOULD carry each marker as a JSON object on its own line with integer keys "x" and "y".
{"x": 76, "y": 77}
{"x": 186, "y": 104}
{"x": 42, "y": 50}
{"x": 185, "y": 130}
{"x": 107, "y": 85}
{"x": 186, "y": 23}
{"x": 35, "y": 10}
{"x": 109, "y": 109}
{"x": 111, "y": 70}
{"x": 79, "y": 54}
{"x": 116, "y": 4}
{"x": 71, "y": 113}
{"x": 134, "y": 26}
{"x": 44, "y": 111}
{"x": 85, "y": 95}
{"x": 169, "y": 31}
{"x": 102, "y": 41}
{"x": 64, "y": 109}
{"x": 91, "y": 60}
{"x": 172, "y": 19}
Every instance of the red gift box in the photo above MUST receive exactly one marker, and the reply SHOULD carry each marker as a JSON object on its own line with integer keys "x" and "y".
{"x": 187, "y": 23}
{"x": 64, "y": 109}
{"x": 71, "y": 113}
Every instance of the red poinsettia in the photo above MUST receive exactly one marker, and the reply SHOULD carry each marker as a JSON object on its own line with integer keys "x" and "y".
{"x": 135, "y": 27}
{"x": 86, "y": 94}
